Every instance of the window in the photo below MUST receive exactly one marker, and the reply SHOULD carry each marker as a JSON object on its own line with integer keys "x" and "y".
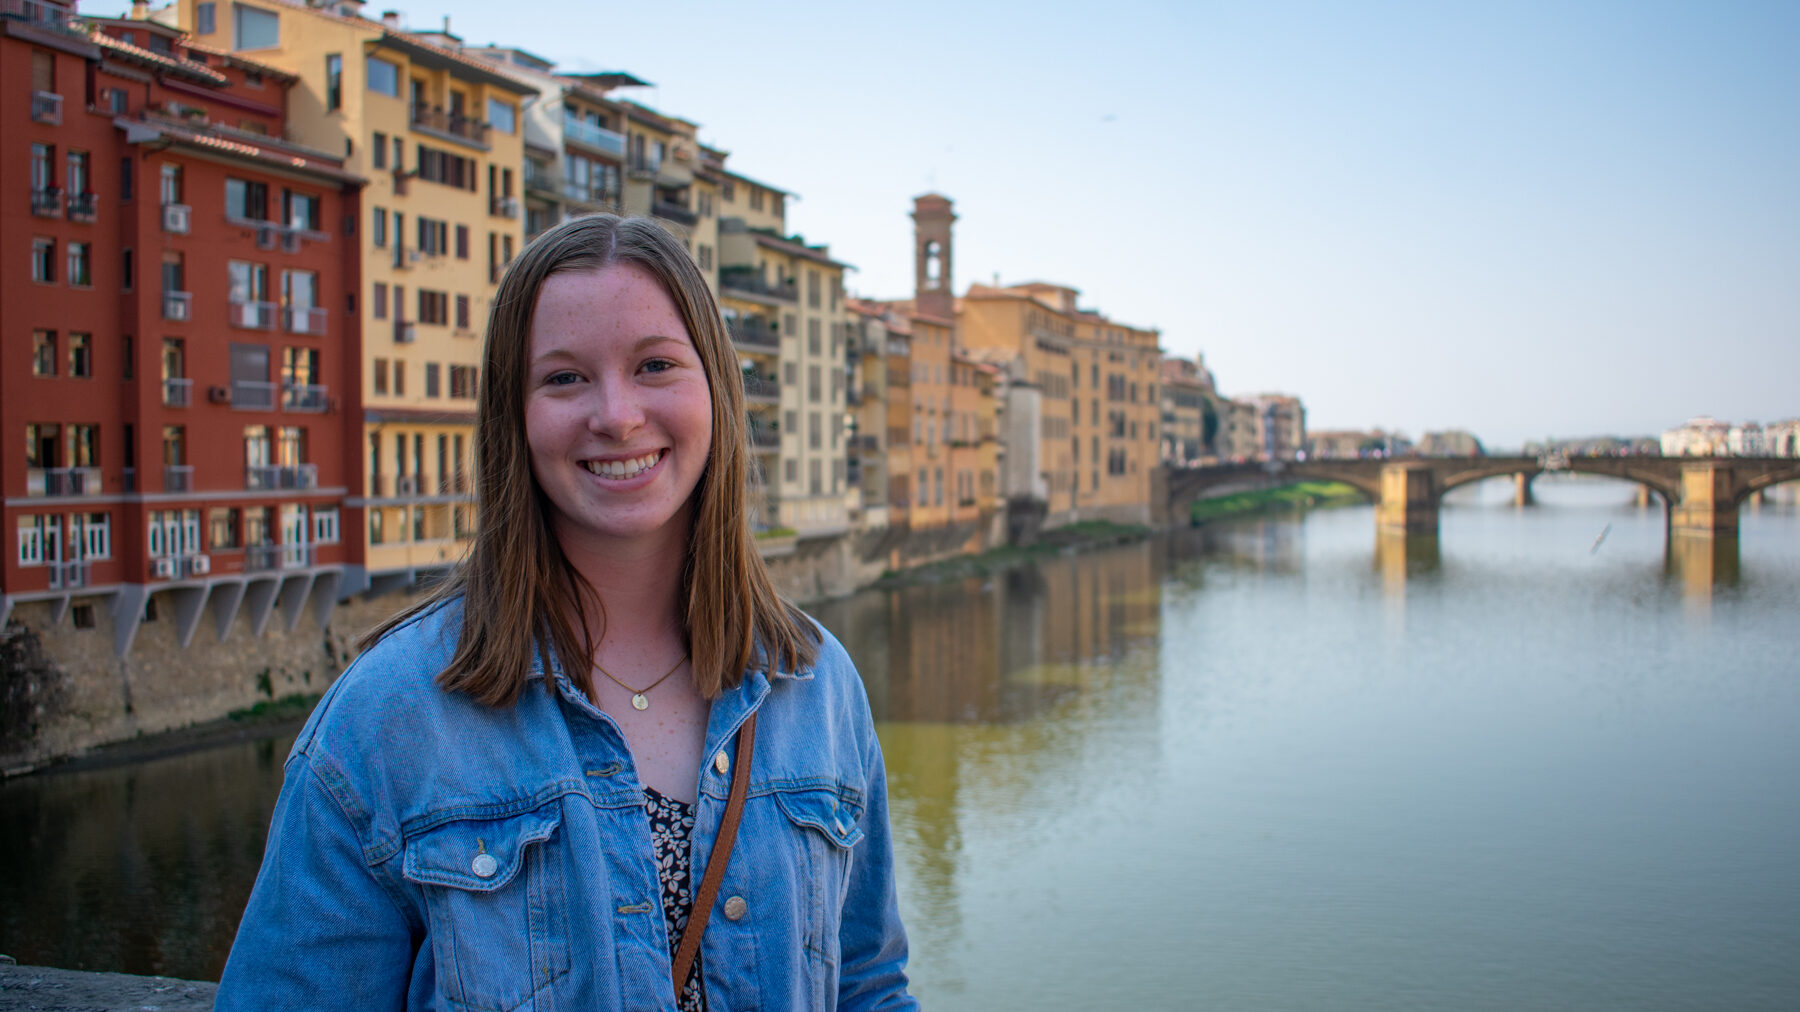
{"x": 812, "y": 335}
{"x": 222, "y": 527}
{"x": 462, "y": 242}
{"x": 434, "y": 307}
{"x": 204, "y": 19}
{"x": 463, "y": 384}
{"x": 443, "y": 167}
{"x": 80, "y": 272}
{"x": 378, "y": 304}
{"x": 399, "y": 378}
{"x": 431, "y": 379}
{"x": 43, "y": 353}
{"x": 434, "y": 236}
{"x": 325, "y": 526}
{"x": 127, "y": 268}
{"x": 462, "y": 312}
{"x": 84, "y": 445}
{"x": 125, "y": 170}
{"x": 334, "y": 82}
{"x": 170, "y": 184}
{"x": 381, "y": 373}
{"x": 81, "y": 355}
{"x": 43, "y": 168}
{"x": 254, "y": 29}
{"x": 378, "y": 151}
{"x": 43, "y": 260}
{"x": 302, "y": 210}
{"x": 246, "y": 201}
{"x": 36, "y": 535}
{"x": 378, "y": 230}
{"x": 79, "y": 181}
{"x": 813, "y": 430}
{"x": 384, "y": 77}
{"x": 812, "y": 383}
{"x": 125, "y": 370}
{"x": 500, "y": 116}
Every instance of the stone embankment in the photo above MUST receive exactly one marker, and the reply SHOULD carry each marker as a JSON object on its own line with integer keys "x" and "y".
{"x": 42, "y": 989}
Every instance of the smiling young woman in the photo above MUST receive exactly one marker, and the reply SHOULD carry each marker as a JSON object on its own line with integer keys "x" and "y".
{"x": 508, "y": 799}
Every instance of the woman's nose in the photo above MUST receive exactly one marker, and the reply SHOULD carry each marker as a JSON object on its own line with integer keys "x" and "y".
{"x": 617, "y": 410}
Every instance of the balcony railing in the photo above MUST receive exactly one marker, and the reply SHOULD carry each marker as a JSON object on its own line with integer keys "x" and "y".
{"x": 47, "y": 202}
{"x": 68, "y": 575}
{"x": 303, "y": 319}
{"x": 787, "y": 289}
{"x": 759, "y": 388}
{"x": 178, "y": 393}
{"x": 452, "y": 125}
{"x": 303, "y": 397}
{"x": 50, "y": 481}
{"x": 252, "y": 395}
{"x": 296, "y": 556}
{"x": 260, "y": 558}
{"x": 645, "y": 165}
{"x": 83, "y": 207}
{"x": 600, "y": 199}
{"x": 177, "y": 305}
{"x": 404, "y": 331}
{"x": 539, "y": 177}
{"x": 764, "y": 439}
{"x": 593, "y": 137}
{"x": 670, "y": 211}
{"x": 253, "y": 315}
{"x": 46, "y": 108}
{"x": 178, "y": 478}
{"x": 302, "y": 476}
{"x": 41, "y": 14}
{"x": 754, "y": 334}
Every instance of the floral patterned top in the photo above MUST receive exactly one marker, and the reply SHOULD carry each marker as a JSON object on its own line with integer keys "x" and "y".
{"x": 671, "y": 837}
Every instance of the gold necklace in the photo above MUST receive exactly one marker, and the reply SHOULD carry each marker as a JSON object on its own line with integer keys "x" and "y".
{"x": 639, "y": 701}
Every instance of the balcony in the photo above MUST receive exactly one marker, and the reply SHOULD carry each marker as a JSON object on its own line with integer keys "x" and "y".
{"x": 60, "y": 481}
{"x": 503, "y": 207}
{"x": 264, "y": 477}
{"x": 405, "y": 331}
{"x": 758, "y": 388}
{"x": 764, "y": 439}
{"x": 747, "y": 281}
{"x": 41, "y": 14}
{"x": 178, "y": 478}
{"x": 47, "y": 202}
{"x": 303, "y": 320}
{"x": 46, "y": 108}
{"x": 83, "y": 208}
{"x": 670, "y": 211}
{"x": 252, "y": 395}
{"x": 253, "y": 315}
{"x": 644, "y": 166}
{"x": 755, "y": 334}
{"x": 302, "y": 397}
{"x": 178, "y": 393}
{"x": 594, "y": 138}
{"x": 450, "y": 126}
{"x": 68, "y": 575}
{"x": 539, "y": 177}
{"x": 598, "y": 200}
{"x": 178, "y": 305}
{"x": 262, "y": 558}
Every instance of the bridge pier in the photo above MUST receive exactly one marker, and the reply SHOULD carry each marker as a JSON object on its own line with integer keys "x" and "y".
{"x": 1409, "y": 499}
{"x": 1522, "y": 489}
{"x": 1643, "y": 497}
{"x": 1708, "y": 506}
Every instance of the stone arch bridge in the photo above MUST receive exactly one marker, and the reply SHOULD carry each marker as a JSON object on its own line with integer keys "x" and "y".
{"x": 1701, "y": 495}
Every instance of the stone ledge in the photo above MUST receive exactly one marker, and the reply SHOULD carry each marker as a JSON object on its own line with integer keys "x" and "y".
{"x": 51, "y": 990}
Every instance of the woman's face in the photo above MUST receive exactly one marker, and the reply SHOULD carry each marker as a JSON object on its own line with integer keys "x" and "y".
{"x": 618, "y": 414}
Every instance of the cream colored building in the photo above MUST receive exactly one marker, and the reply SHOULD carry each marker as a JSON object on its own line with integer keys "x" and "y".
{"x": 1279, "y": 422}
{"x": 440, "y": 136}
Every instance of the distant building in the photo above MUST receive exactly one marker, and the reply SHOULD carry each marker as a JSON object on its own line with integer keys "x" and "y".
{"x": 1341, "y": 444}
{"x": 1700, "y": 437}
{"x": 1280, "y": 426}
{"x": 1746, "y": 440}
{"x": 1782, "y": 439}
{"x": 1186, "y": 410}
{"x": 1452, "y": 443}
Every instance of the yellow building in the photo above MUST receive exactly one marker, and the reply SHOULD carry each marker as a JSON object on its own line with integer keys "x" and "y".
{"x": 1099, "y": 406}
{"x": 668, "y": 176}
{"x": 440, "y": 136}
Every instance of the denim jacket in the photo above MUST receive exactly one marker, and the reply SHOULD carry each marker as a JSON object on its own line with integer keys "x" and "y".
{"x": 429, "y": 852}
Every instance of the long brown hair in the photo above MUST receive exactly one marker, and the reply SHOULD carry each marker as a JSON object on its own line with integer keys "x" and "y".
{"x": 516, "y": 584}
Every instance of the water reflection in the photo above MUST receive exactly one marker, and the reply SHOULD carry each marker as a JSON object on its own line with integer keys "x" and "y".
{"x": 1399, "y": 556}
{"x": 141, "y": 868}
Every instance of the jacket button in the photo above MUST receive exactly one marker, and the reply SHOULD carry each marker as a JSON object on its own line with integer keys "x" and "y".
{"x": 735, "y": 908}
{"x": 722, "y": 763}
{"x": 484, "y": 865}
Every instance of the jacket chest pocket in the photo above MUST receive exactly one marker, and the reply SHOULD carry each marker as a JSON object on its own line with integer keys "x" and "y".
{"x": 493, "y": 892}
{"x": 826, "y": 830}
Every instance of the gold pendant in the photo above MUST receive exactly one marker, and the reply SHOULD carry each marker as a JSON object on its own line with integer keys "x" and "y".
{"x": 639, "y": 702}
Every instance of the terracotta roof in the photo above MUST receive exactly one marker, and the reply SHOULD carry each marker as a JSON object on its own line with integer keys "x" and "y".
{"x": 798, "y": 249}
{"x": 138, "y": 54}
{"x": 233, "y": 59}
{"x": 271, "y": 151}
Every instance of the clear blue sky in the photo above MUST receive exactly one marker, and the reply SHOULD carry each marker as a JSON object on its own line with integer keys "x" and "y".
{"x": 1520, "y": 218}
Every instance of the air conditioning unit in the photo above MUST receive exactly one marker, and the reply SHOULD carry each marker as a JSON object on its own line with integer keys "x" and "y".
{"x": 509, "y": 207}
{"x": 175, "y": 309}
{"x": 175, "y": 218}
{"x": 219, "y": 395}
{"x": 200, "y": 565}
{"x": 163, "y": 568}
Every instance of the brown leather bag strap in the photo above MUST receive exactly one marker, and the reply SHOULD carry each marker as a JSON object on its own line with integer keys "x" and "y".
{"x": 721, "y": 856}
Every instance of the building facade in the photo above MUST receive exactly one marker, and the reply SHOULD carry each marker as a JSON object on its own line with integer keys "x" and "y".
{"x": 188, "y": 438}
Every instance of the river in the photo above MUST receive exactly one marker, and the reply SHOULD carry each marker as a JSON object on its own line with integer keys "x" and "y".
{"x": 1536, "y": 762}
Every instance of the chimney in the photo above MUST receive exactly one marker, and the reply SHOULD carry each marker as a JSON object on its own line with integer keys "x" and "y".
{"x": 140, "y": 9}
{"x": 390, "y": 20}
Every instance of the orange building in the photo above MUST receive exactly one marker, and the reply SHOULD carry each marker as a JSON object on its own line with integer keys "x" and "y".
{"x": 179, "y": 359}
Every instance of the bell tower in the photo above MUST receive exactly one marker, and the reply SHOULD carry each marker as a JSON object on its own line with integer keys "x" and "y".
{"x": 933, "y": 294}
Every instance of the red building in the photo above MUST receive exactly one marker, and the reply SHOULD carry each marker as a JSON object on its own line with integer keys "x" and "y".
{"x": 178, "y": 338}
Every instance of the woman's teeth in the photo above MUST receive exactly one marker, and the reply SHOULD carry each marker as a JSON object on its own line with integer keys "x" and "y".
{"x": 623, "y": 468}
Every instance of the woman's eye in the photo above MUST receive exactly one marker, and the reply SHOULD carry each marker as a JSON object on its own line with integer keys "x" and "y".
{"x": 658, "y": 365}
{"x": 563, "y": 378}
